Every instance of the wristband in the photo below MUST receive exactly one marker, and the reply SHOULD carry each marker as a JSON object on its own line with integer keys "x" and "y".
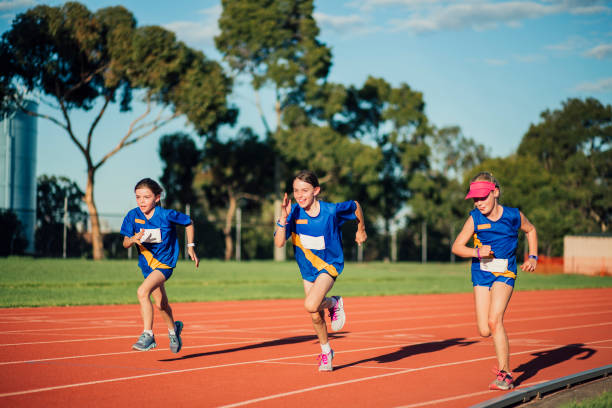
{"x": 533, "y": 257}
{"x": 191, "y": 244}
{"x": 279, "y": 224}
{"x": 478, "y": 253}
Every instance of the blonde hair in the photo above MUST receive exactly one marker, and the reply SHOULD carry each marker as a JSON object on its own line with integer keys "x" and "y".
{"x": 486, "y": 176}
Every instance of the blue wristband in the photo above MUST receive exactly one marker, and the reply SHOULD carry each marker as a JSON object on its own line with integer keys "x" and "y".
{"x": 533, "y": 257}
{"x": 279, "y": 224}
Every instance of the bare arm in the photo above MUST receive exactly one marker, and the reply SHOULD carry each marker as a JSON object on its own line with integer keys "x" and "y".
{"x": 129, "y": 241}
{"x": 532, "y": 239}
{"x": 460, "y": 247}
{"x": 360, "y": 235}
{"x": 280, "y": 232}
{"x": 190, "y": 231}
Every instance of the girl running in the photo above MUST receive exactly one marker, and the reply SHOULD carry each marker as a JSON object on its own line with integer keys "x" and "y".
{"x": 314, "y": 228}
{"x": 495, "y": 231}
{"x": 153, "y": 230}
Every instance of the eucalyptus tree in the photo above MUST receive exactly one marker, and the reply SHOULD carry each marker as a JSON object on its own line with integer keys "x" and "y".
{"x": 234, "y": 170}
{"x": 181, "y": 156}
{"x": 394, "y": 120}
{"x": 78, "y": 60}
{"x": 274, "y": 43}
{"x": 575, "y": 145}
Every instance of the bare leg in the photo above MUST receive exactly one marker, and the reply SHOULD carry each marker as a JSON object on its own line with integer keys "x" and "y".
{"x": 316, "y": 303}
{"x": 153, "y": 281}
{"x": 482, "y": 302}
{"x": 161, "y": 301}
{"x": 500, "y": 297}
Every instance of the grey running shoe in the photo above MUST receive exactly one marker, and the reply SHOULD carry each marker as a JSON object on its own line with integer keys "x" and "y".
{"x": 325, "y": 361}
{"x": 145, "y": 342}
{"x": 337, "y": 315}
{"x": 175, "y": 339}
{"x": 503, "y": 382}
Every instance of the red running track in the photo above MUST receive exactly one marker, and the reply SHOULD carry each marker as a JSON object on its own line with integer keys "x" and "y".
{"x": 395, "y": 351}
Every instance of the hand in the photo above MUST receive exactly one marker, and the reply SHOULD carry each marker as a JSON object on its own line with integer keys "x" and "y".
{"x": 529, "y": 265}
{"x": 485, "y": 251}
{"x": 285, "y": 207}
{"x": 193, "y": 256}
{"x": 360, "y": 236}
{"x": 136, "y": 238}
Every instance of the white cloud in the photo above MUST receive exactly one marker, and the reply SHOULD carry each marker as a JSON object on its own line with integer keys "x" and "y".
{"x": 198, "y": 32}
{"x": 600, "y": 52}
{"x": 601, "y": 86}
{"x": 351, "y": 24}
{"x": 571, "y": 44}
{"x": 475, "y": 16}
{"x": 16, "y": 4}
{"x": 441, "y": 15}
{"x": 495, "y": 62}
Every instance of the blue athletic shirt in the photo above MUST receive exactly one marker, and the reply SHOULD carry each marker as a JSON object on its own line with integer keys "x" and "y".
{"x": 159, "y": 248}
{"x": 502, "y": 236}
{"x": 317, "y": 241}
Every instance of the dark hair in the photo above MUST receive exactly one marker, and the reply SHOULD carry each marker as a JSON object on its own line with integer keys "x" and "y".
{"x": 308, "y": 177}
{"x": 150, "y": 184}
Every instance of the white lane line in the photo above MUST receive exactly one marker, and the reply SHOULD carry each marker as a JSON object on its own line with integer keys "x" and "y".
{"x": 356, "y": 380}
{"x": 348, "y": 338}
{"x": 126, "y": 352}
{"x": 438, "y": 401}
{"x": 66, "y": 341}
{"x": 66, "y": 386}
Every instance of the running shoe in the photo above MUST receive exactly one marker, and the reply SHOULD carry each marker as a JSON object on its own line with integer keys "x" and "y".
{"x": 145, "y": 342}
{"x": 337, "y": 315}
{"x": 175, "y": 339}
{"x": 325, "y": 361}
{"x": 503, "y": 381}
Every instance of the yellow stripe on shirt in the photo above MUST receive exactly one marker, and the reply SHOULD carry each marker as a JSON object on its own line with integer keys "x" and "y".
{"x": 152, "y": 262}
{"x": 312, "y": 258}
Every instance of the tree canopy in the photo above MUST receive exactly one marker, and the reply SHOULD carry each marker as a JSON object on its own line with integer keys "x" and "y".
{"x": 82, "y": 60}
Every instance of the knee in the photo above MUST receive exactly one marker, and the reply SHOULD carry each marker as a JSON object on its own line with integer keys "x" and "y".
{"x": 484, "y": 331}
{"x": 142, "y": 294}
{"x": 493, "y": 323}
{"x": 310, "y": 306}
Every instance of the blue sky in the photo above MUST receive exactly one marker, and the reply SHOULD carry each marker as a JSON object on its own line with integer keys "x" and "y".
{"x": 490, "y": 67}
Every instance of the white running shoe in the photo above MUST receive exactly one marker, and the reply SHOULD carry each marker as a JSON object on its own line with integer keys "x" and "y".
{"x": 337, "y": 315}
{"x": 325, "y": 361}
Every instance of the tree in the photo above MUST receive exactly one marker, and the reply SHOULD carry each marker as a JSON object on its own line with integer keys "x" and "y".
{"x": 274, "y": 43}
{"x": 180, "y": 155}
{"x": 234, "y": 170}
{"x": 574, "y": 144}
{"x": 392, "y": 118}
{"x": 12, "y": 240}
{"x": 51, "y": 194}
{"x": 79, "y": 60}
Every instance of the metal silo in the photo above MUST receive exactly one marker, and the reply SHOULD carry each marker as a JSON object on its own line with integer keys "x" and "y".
{"x": 18, "y": 168}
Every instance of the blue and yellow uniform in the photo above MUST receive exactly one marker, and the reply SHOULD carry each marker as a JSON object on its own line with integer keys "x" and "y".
{"x": 502, "y": 236}
{"x": 317, "y": 241}
{"x": 158, "y": 248}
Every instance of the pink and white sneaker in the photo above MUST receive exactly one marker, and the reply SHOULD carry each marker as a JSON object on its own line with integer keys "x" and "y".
{"x": 325, "y": 361}
{"x": 502, "y": 382}
{"x": 337, "y": 315}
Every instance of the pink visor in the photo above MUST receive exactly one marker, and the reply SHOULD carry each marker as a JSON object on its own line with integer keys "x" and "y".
{"x": 480, "y": 189}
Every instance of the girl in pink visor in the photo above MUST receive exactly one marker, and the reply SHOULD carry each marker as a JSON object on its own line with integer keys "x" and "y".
{"x": 495, "y": 231}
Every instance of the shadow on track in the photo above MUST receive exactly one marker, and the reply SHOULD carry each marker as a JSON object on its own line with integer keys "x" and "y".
{"x": 271, "y": 343}
{"x": 412, "y": 350}
{"x": 549, "y": 358}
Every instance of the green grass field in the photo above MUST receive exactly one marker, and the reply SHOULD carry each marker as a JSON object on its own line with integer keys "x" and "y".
{"x": 58, "y": 282}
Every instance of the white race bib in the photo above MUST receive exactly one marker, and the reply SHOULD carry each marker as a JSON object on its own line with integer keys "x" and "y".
{"x": 309, "y": 242}
{"x": 152, "y": 236}
{"x": 494, "y": 265}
